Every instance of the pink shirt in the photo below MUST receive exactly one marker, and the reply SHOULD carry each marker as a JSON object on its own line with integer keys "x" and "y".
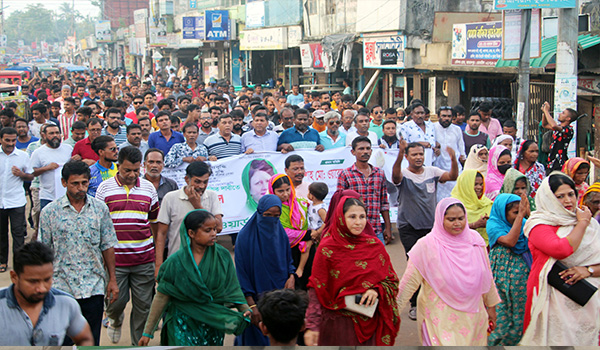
{"x": 494, "y": 130}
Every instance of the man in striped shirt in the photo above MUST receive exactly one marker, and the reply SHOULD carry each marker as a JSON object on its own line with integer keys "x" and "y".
{"x": 67, "y": 118}
{"x": 225, "y": 143}
{"x": 133, "y": 205}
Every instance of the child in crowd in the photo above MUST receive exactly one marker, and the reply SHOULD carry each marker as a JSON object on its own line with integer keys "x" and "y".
{"x": 317, "y": 211}
{"x": 282, "y": 314}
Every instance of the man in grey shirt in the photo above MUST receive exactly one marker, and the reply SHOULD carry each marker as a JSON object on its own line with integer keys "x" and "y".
{"x": 32, "y": 313}
{"x": 134, "y": 138}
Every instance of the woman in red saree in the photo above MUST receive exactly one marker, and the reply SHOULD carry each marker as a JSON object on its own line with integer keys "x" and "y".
{"x": 351, "y": 260}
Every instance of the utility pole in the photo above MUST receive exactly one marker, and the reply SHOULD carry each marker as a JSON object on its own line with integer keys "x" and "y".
{"x": 524, "y": 70}
{"x": 565, "y": 84}
{"x": 2, "y": 17}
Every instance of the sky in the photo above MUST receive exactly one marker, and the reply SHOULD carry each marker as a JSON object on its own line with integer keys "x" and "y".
{"x": 85, "y": 7}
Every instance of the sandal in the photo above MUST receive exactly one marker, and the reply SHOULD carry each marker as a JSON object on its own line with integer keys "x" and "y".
{"x": 3, "y": 268}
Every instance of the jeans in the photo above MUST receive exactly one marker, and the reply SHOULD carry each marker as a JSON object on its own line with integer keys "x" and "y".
{"x": 140, "y": 280}
{"x": 92, "y": 309}
{"x": 18, "y": 230}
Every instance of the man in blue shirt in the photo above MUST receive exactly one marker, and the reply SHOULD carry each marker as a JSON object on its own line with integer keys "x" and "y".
{"x": 300, "y": 136}
{"x": 332, "y": 137}
{"x": 295, "y": 98}
{"x": 32, "y": 313}
{"x": 165, "y": 137}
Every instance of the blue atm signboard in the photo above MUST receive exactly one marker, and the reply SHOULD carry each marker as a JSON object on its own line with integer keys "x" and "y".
{"x": 218, "y": 25}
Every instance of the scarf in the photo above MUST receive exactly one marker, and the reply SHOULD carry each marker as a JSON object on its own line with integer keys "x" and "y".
{"x": 500, "y": 139}
{"x": 263, "y": 258}
{"x": 258, "y": 163}
{"x": 476, "y": 207}
{"x": 201, "y": 291}
{"x": 510, "y": 180}
{"x": 551, "y": 212}
{"x": 335, "y": 199}
{"x": 474, "y": 162}
{"x": 494, "y": 179}
{"x": 346, "y": 264}
{"x": 570, "y": 168}
{"x": 595, "y": 187}
{"x": 293, "y": 215}
{"x": 498, "y": 226}
{"x": 456, "y": 266}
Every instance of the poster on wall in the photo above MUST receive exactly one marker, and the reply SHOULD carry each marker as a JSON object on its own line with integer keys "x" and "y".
{"x": 193, "y": 28}
{"x": 103, "y": 33}
{"x": 476, "y": 44}
{"x": 158, "y": 31}
{"x": 385, "y": 52}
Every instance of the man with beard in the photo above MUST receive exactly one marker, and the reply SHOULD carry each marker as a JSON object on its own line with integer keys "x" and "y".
{"x": 83, "y": 148}
{"x": 238, "y": 122}
{"x": 177, "y": 204}
{"x": 418, "y": 130}
{"x": 332, "y": 137}
{"x": 113, "y": 126}
{"x": 47, "y": 162}
{"x": 134, "y": 138}
{"x": 15, "y": 170}
{"x": 206, "y": 129}
{"x": 23, "y": 136}
{"x": 34, "y": 313}
{"x": 146, "y": 125}
{"x": 389, "y": 140}
{"x": 7, "y": 118}
{"x": 66, "y": 223}
{"x": 448, "y": 135}
{"x": 105, "y": 168}
{"x": 300, "y": 136}
{"x": 417, "y": 198}
{"x": 472, "y": 135}
{"x": 154, "y": 163}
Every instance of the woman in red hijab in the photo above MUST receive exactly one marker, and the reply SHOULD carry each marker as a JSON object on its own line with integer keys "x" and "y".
{"x": 351, "y": 261}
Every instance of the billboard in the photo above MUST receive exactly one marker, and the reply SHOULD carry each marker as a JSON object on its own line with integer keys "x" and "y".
{"x": 476, "y": 44}
{"x": 533, "y": 4}
{"x": 103, "y": 33}
{"x": 385, "y": 52}
{"x": 193, "y": 28}
{"x": 218, "y": 26}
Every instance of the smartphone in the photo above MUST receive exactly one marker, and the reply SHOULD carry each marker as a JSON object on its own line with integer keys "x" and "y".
{"x": 357, "y": 298}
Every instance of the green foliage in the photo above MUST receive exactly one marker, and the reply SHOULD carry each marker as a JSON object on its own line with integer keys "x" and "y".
{"x": 37, "y": 23}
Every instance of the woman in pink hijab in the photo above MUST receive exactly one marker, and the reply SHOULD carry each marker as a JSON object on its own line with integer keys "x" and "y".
{"x": 456, "y": 303}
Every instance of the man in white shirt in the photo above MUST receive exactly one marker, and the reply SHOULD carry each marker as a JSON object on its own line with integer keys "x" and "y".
{"x": 348, "y": 116}
{"x": 421, "y": 131}
{"x": 47, "y": 162}
{"x": 362, "y": 124}
{"x": 448, "y": 135}
{"x": 14, "y": 169}
{"x": 259, "y": 139}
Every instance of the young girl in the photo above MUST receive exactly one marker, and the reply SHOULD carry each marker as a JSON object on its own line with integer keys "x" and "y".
{"x": 293, "y": 218}
{"x": 194, "y": 285}
{"x": 351, "y": 261}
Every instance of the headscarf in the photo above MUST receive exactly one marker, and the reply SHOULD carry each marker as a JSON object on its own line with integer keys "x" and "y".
{"x": 494, "y": 179}
{"x": 293, "y": 215}
{"x": 335, "y": 199}
{"x": 456, "y": 266}
{"x": 476, "y": 207}
{"x": 501, "y": 138}
{"x": 250, "y": 202}
{"x": 595, "y": 187}
{"x": 510, "y": 181}
{"x": 570, "y": 168}
{"x": 498, "y": 226}
{"x": 201, "y": 291}
{"x": 474, "y": 162}
{"x": 346, "y": 264}
{"x": 263, "y": 258}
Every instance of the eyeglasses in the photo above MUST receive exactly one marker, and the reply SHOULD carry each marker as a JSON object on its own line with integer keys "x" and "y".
{"x": 333, "y": 123}
{"x": 205, "y": 118}
{"x": 445, "y": 108}
{"x": 377, "y": 112}
{"x": 112, "y": 149}
{"x": 137, "y": 103}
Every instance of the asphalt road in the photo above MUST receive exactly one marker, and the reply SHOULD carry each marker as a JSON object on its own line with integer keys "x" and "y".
{"x": 408, "y": 329}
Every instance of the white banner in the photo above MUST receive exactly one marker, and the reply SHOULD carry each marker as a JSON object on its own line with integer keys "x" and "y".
{"x": 241, "y": 180}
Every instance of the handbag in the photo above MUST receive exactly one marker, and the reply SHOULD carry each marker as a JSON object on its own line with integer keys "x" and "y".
{"x": 353, "y": 304}
{"x": 579, "y": 292}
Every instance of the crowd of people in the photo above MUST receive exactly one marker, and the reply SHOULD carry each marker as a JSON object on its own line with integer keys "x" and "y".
{"x": 485, "y": 220}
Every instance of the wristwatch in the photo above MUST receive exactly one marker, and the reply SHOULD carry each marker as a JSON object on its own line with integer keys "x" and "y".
{"x": 590, "y": 270}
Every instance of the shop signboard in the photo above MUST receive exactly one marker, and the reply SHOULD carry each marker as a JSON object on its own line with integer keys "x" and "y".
{"x": 533, "y": 4}
{"x": 255, "y": 14}
{"x": 384, "y": 51}
{"x": 477, "y": 44}
{"x": 193, "y": 28}
{"x": 264, "y": 39}
{"x": 218, "y": 26}
{"x": 511, "y": 34}
{"x": 103, "y": 33}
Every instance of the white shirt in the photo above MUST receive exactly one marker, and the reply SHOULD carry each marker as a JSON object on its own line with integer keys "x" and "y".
{"x": 450, "y": 136}
{"x": 411, "y": 132}
{"x": 352, "y": 135}
{"x": 12, "y": 193}
{"x": 346, "y": 132}
{"x": 44, "y": 156}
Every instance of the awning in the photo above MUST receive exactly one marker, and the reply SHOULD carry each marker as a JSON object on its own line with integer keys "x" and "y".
{"x": 549, "y": 51}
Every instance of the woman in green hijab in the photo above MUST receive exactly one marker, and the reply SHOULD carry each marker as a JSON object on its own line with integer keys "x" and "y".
{"x": 196, "y": 288}
{"x": 255, "y": 179}
{"x": 517, "y": 183}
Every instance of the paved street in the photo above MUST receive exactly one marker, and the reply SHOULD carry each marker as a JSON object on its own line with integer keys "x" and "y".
{"x": 408, "y": 329}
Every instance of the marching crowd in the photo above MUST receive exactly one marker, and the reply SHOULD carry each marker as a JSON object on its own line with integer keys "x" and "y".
{"x": 501, "y": 234}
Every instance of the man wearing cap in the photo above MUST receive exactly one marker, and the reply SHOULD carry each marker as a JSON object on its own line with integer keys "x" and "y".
{"x": 319, "y": 120}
